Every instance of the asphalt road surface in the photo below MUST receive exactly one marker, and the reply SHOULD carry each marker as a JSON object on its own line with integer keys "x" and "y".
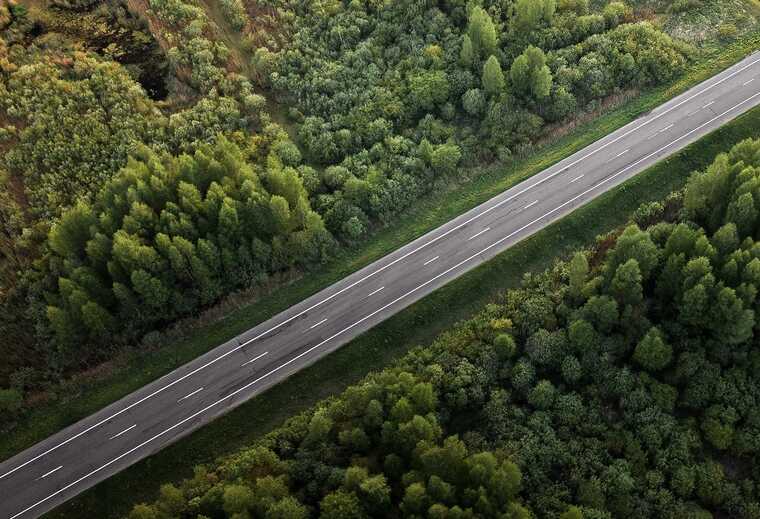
{"x": 142, "y": 423}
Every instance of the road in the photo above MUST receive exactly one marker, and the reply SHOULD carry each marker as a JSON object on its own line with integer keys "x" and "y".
{"x": 158, "y": 414}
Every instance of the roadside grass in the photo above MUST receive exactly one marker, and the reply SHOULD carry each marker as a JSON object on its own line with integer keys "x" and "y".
{"x": 418, "y": 324}
{"x": 139, "y": 367}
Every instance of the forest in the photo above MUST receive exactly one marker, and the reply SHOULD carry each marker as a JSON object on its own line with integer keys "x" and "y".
{"x": 598, "y": 389}
{"x": 157, "y": 156}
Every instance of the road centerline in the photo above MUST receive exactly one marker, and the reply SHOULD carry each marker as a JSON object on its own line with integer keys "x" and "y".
{"x": 122, "y": 432}
{"x": 190, "y": 394}
{"x": 46, "y": 474}
{"x": 257, "y": 357}
{"x": 317, "y": 324}
{"x": 478, "y": 233}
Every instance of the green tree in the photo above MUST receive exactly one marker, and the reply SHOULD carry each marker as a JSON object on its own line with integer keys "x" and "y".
{"x": 481, "y": 32}
{"x": 467, "y": 54}
{"x": 577, "y": 271}
{"x": 652, "y": 352}
{"x": 493, "y": 77}
{"x": 341, "y": 505}
{"x": 626, "y": 283}
{"x": 237, "y": 499}
{"x": 445, "y": 158}
{"x": 530, "y": 13}
{"x": 529, "y": 74}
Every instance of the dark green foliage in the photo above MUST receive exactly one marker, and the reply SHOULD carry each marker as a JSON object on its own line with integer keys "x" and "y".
{"x": 620, "y": 384}
{"x": 169, "y": 235}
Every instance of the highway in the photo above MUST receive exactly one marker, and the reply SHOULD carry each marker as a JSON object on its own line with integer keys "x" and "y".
{"x": 76, "y": 458}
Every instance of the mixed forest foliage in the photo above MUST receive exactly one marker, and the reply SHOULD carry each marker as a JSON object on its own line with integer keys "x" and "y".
{"x": 261, "y": 135}
{"x": 169, "y": 235}
{"x": 622, "y": 383}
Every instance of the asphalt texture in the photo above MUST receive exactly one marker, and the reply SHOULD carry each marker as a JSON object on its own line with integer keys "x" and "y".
{"x": 140, "y": 424}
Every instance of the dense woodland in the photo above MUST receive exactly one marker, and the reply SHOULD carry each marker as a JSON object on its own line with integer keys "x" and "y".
{"x": 158, "y": 155}
{"x": 621, "y": 383}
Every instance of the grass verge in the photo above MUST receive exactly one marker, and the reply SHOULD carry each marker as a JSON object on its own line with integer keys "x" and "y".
{"x": 141, "y": 367}
{"x": 418, "y": 324}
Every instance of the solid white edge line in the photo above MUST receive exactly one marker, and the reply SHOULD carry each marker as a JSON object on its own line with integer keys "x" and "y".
{"x": 190, "y": 394}
{"x": 46, "y": 474}
{"x": 317, "y": 324}
{"x": 431, "y": 260}
{"x": 253, "y": 359}
{"x": 478, "y": 233}
{"x": 368, "y": 316}
{"x": 375, "y": 292}
{"x": 401, "y": 258}
{"x": 122, "y": 432}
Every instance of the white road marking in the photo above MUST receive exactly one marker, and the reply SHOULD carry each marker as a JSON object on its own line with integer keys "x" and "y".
{"x": 653, "y": 136}
{"x": 253, "y": 359}
{"x": 748, "y": 82}
{"x": 122, "y": 432}
{"x": 375, "y": 292}
{"x": 317, "y": 324}
{"x": 668, "y": 127}
{"x": 708, "y": 104}
{"x": 478, "y": 233}
{"x": 190, "y": 394}
{"x": 370, "y": 315}
{"x": 576, "y": 178}
{"x": 623, "y": 152}
{"x": 534, "y": 202}
{"x": 381, "y": 269}
{"x": 431, "y": 260}
{"x": 46, "y": 474}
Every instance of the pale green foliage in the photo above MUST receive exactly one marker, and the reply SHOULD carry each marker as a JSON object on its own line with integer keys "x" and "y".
{"x": 530, "y": 75}
{"x": 493, "y": 77}
{"x": 481, "y": 32}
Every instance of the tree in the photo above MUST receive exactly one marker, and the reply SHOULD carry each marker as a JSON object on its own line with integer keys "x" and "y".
{"x": 445, "y": 158}
{"x": 474, "y": 102}
{"x": 341, "y": 505}
{"x": 429, "y": 89}
{"x": 529, "y": 74}
{"x": 577, "y": 271}
{"x": 505, "y": 346}
{"x": 467, "y": 54}
{"x": 287, "y": 508}
{"x": 493, "y": 77}
{"x": 237, "y": 499}
{"x": 626, "y": 283}
{"x": 530, "y": 13}
{"x": 573, "y": 512}
{"x": 652, "y": 352}
{"x": 481, "y": 32}
{"x": 415, "y": 499}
